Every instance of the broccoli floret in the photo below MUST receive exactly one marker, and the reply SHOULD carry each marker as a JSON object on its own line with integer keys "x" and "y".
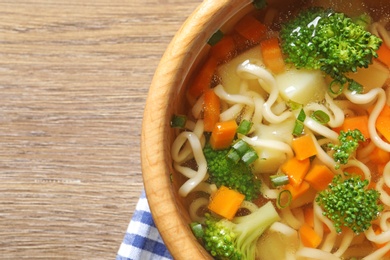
{"x": 234, "y": 175}
{"x": 236, "y": 239}
{"x": 323, "y": 39}
{"x": 349, "y": 142}
{"x": 348, "y": 203}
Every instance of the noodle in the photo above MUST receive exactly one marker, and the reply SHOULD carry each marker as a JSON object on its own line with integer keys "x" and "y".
{"x": 196, "y": 146}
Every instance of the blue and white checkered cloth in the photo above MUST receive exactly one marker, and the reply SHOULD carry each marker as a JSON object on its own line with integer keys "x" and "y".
{"x": 142, "y": 239}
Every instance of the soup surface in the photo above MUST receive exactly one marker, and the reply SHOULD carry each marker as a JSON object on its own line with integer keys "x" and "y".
{"x": 283, "y": 151}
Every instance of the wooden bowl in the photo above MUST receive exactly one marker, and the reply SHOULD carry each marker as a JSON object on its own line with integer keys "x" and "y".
{"x": 166, "y": 96}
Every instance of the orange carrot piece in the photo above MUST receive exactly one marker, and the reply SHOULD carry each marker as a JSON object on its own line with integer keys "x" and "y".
{"x": 202, "y": 81}
{"x": 296, "y": 170}
{"x": 319, "y": 177}
{"x": 251, "y": 28}
{"x": 211, "y": 110}
{"x": 225, "y": 202}
{"x": 384, "y": 54}
{"x": 298, "y": 191}
{"x": 308, "y": 236}
{"x": 357, "y": 122}
{"x": 224, "y": 50}
{"x": 379, "y": 156}
{"x": 308, "y": 214}
{"x": 241, "y": 42}
{"x": 383, "y": 122}
{"x": 272, "y": 55}
{"x": 223, "y": 134}
{"x": 304, "y": 146}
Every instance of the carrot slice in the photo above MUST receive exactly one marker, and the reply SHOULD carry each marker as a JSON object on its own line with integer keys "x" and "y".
{"x": 379, "y": 156}
{"x": 225, "y": 202}
{"x": 304, "y": 146}
{"x": 251, "y": 28}
{"x": 357, "y": 122}
{"x": 319, "y": 176}
{"x": 299, "y": 190}
{"x": 308, "y": 236}
{"x": 211, "y": 110}
{"x": 383, "y": 122}
{"x": 272, "y": 55}
{"x": 296, "y": 170}
{"x": 223, "y": 134}
{"x": 202, "y": 81}
{"x": 224, "y": 50}
{"x": 384, "y": 54}
{"x": 308, "y": 214}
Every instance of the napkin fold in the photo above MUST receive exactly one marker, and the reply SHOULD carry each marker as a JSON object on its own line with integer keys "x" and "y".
{"x": 142, "y": 239}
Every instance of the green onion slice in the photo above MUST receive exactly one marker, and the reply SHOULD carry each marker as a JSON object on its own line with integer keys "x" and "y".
{"x": 279, "y": 180}
{"x": 178, "y": 121}
{"x": 244, "y": 127}
{"x": 215, "y": 38}
{"x": 298, "y": 128}
{"x": 336, "y": 87}
{"x": 321, "y": 117}
{"x": 301, "y": 116}
{"x": 294, "y": 105}
{"x": 233, "y": 156}
{"x": 241, "y": 147}
{"x": 249, "y": 157}
{"x": 284, "y": 199}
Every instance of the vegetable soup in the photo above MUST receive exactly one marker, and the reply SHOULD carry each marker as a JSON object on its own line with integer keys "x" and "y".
{"x": 284, "y": 150}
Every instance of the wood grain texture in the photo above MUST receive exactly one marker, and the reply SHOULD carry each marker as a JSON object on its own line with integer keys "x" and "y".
{"x": 74, "y": 76}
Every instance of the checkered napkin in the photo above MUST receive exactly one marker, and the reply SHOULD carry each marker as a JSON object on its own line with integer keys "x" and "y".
{"x": 142, "y": 239}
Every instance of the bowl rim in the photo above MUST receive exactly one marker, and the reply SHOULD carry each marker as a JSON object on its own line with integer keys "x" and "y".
{"x": 165, "y": 212}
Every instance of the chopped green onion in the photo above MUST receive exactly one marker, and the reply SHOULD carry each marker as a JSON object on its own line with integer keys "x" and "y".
{"x": 298, "y": 128}
{"x": 336, "y": 87}
{"x": 294, "y": 105}
{"x": 284, "y": 199}
{"x": 197, "y": 229}
{"x": 279, "y": 180}
{"x": 244, "y": 127}
{"x": 249, "y": 157}
{"x": 241, "y": 147}
{"x": 215, "y": 38}
{"x": 301, "y": 116}
{"x": 241, "y": 150}
{"x": 233, "y": 156}
{"x": 259, "y": 4}
{"x": 178, "y": 121}
{"x": 321, "y": 117}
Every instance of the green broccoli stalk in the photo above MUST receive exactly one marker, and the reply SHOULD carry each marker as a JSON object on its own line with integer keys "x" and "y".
{"x": 320, "y": 38}
{"x": 235, "y": 175}
{"x": 349, "y": 142}
{"x": 235, "y": 239}
{"x": 348, "y": 203}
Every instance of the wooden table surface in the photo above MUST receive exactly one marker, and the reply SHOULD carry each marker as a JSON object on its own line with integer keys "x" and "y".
{"x": 74, "y": 76}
